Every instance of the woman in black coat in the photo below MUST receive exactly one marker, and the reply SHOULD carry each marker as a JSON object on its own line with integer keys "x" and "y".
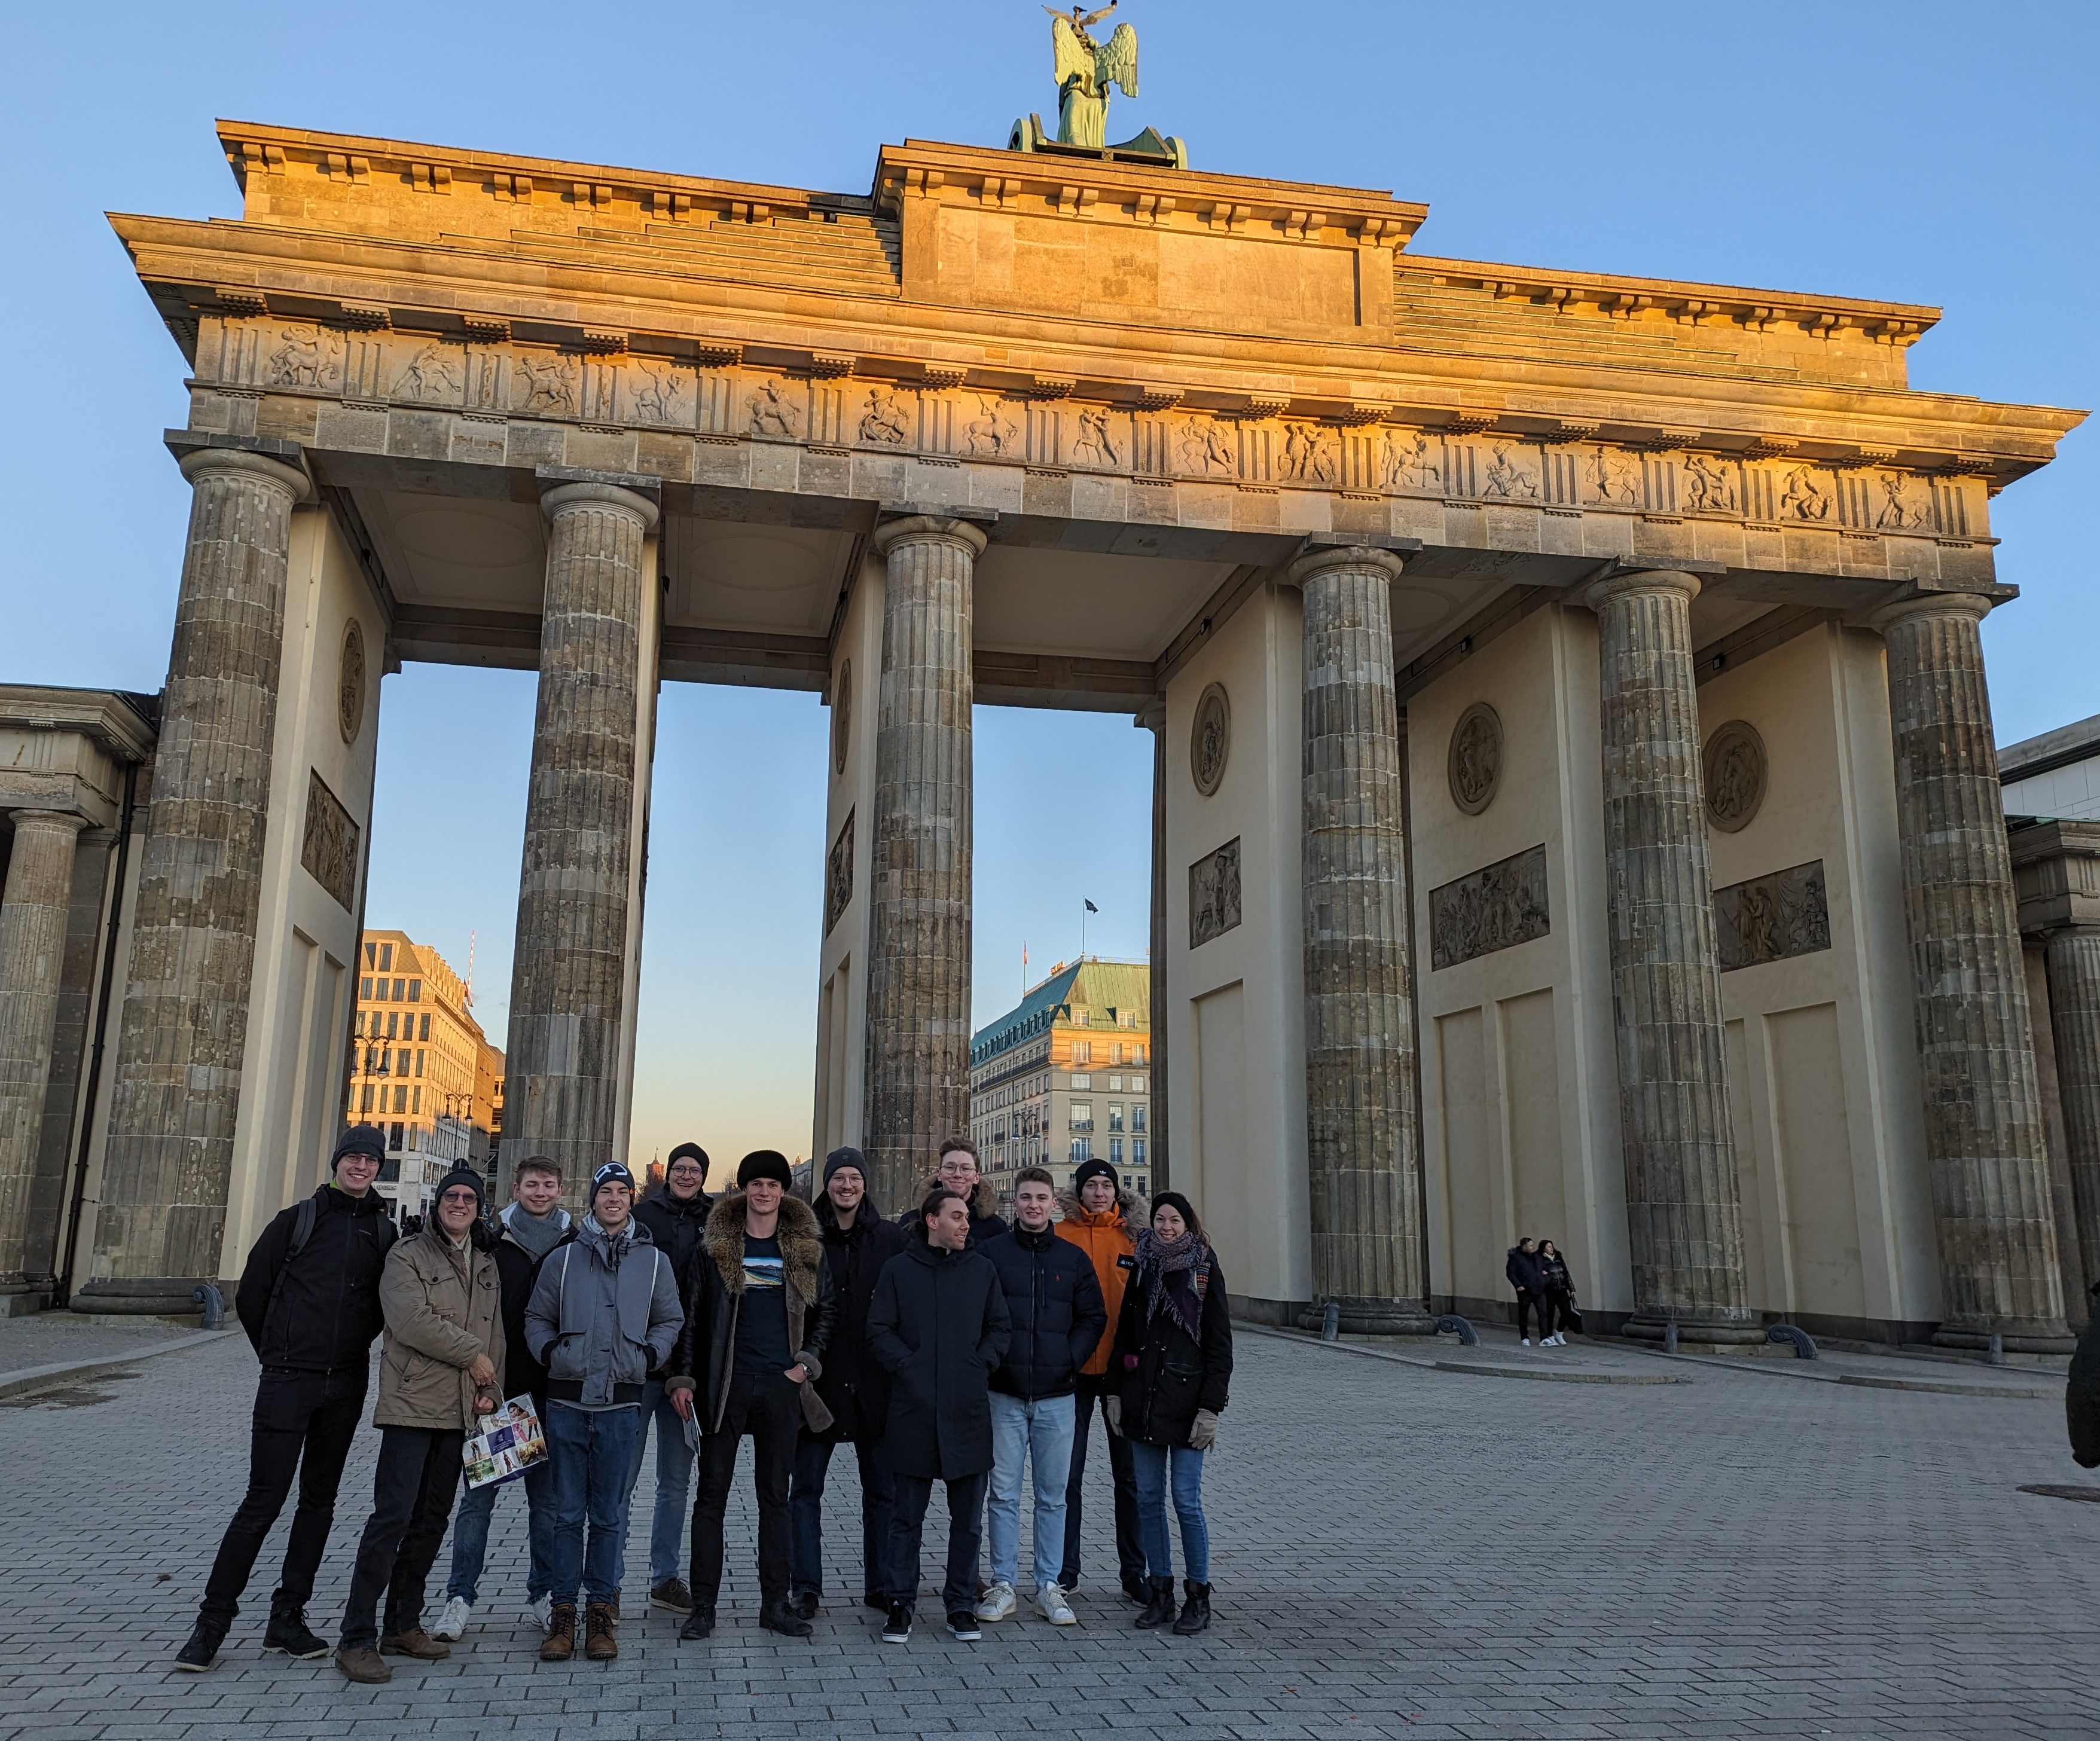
{"x": 1560, "y": 1315}
{"x": 1173, "y": 1362}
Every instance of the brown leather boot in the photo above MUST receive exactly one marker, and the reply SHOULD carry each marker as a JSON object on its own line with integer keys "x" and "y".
{"x": 560, "y": 1643}
{"x": 415, "y": 1643}
{"x": 599, "y": 1644}
{"x": 361, "y": 1662}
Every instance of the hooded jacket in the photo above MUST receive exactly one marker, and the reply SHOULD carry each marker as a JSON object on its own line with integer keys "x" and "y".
{"x": 984, "y": 1223}
{"x": 603, "y": 1312}
{"x": 1522, "y": 1270}
{"x": 1109, "y": 1241}
{"x": 677, "y": 1225}
{"x": 714, "y": 1300}
{"x": 939, "y": 1324}
{"x": 853, "y": 1385}
{"x": 1166, "y": 1374}
{"x": 443, "y": 1306}
{"x": 326, "y": 1311}
{"x": 1054, "y": 1302}
{"x": 516, "y": 1270}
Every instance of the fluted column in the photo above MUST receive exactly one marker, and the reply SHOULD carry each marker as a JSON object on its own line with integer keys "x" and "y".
{"x": 568, "y": 977}
{"x": 1152, "y": 717}
{"x": 33, "y": 935}
{"x": 169, "y": 1152}
{"x": 2071, "y": 959}
{"x": 1983, "y": 1134}
{"x": 1684, "y": 1214}
{"x": 919, "y": 883}
{"x": 1359, "y": 1104}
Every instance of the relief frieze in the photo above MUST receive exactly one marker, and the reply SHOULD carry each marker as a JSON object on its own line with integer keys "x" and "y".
{"x": 1495, "y": 908}
{"x": 1213, "y": 894}
{"x": 1772, "y": 918}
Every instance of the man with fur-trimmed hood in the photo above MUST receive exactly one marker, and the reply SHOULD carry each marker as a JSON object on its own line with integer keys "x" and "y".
{"x": 959, "y": 1174}
{"x": 759, "y": 1311}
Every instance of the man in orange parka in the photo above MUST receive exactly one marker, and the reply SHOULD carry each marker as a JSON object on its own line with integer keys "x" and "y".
{"x": 1098, "y": 1220}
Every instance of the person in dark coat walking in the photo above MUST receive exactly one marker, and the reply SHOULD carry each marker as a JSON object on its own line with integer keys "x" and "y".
{"x": 676, "y": 1217}
{"x": 1560, "y": 1315}
{"x": 1174, "y": 1348}
{"x": 857, "y": 1243}
{"x": 939, "y": 1326}
{"x": 311, "y": 1317}
{"x": 1529, "y": 1281}
{"x": 2081, "y": 1392}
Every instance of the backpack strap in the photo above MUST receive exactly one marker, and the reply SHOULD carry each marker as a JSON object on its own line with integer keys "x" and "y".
{"x": 303, "y": 1230}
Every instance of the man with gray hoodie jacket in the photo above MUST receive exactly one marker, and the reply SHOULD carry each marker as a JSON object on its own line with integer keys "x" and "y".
{"x": 605, "y": 1311}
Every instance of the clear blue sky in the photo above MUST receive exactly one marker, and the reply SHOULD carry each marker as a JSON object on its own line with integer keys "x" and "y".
{"x": 1926, "y": 152}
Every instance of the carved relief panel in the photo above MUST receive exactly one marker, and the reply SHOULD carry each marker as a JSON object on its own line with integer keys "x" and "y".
{"x": 1772, "y": 918}
{"x": 1496, "y": 908}
{"x": 328, "y": 843}
{"x": 1213, "y": 894}
{"x": 839, "y": 875}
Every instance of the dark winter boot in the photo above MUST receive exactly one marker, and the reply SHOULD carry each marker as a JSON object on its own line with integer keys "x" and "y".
{"x": 1196, "y": 1611}
{"x": 1159, "y": 1609}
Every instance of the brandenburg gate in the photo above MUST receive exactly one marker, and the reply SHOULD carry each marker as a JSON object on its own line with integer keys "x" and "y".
{"x": 1575, "y": 803}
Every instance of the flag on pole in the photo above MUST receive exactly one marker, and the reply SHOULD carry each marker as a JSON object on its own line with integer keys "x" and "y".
{"x": 1091, "y": 908}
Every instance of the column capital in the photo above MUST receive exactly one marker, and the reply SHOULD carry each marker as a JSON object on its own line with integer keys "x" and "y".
{"x": 929, "y": 528}
{"x": 1972, "y": 607}
{"x": 201, "y": 463}
{"x": 1599, "y": 593}
{"x": 1355, "y": 558}
{"x": 72, "y": 819}
{"x": 556, "y": 499}
{"x": 1152, "y": 716}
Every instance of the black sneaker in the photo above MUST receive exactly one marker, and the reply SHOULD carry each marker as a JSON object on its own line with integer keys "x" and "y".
{"x": 963, "y": 1626}
{"x": 291, "y": 1634}
{"x": 804, "y": 1606}
{"x": 897, "y": 1630}
{"x": 784, "y": 1620}
{"x": 700, "y": 1623}
{"x": 205, "y": 1639}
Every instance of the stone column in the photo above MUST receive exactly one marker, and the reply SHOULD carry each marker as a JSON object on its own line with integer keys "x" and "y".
{"x": 169, "y": 1152}
{"x": 2073, "y": 959}
{"x": 1983, "y": 1136}
{"x": 33, "y": 935}
{"x": 1361, "y": 1114}
{"x": 568, "y": 977}
{"x": 1152, "y": 717}
{"x": 918, "y": 1086}
{"x": 1684, "y": 1214}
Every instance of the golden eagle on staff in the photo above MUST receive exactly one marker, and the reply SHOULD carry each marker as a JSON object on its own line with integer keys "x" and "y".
{"x": 1086, "y": 69}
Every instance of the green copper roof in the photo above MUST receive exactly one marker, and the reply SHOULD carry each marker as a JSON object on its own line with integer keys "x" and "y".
{"x": 1101, "y": 985}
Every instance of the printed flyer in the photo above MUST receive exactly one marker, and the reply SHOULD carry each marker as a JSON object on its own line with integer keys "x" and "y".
{"x": 509, "y": 1444}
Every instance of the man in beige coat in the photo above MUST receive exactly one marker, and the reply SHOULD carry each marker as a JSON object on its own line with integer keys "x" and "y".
{"x": 442, "y": 1369}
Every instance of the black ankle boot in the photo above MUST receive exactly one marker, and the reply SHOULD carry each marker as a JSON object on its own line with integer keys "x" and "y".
{"x": 1159, "y": 1608}
{"x": 1196, "y": 1611}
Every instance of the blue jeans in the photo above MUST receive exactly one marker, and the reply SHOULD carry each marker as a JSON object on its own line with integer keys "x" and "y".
{"x": 1150, "y": 1465}
{"x": 674, "y": 1470}
{"x": 471, "y": 1533}
{"x": 1039, "y": 1431}
{"x": 806, "y": 1518}
{"x": 590, "y": 1449}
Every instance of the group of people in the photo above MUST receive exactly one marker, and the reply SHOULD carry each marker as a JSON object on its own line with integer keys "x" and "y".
{"x": 1544, "y": 1290}
{"x": 946, "y": 1346}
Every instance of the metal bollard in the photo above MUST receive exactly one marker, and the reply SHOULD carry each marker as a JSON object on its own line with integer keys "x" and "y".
{"x": 213, "y": 1304}
{"x": 1669, "y": 1338}
{"x": 1331, "y": 1322}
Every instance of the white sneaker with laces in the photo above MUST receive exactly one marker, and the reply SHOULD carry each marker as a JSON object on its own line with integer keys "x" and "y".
{"x": 1526, "y": 1342}
{"x": 1055, "y": 1607}
{"x": 452, "y": 1624}
{"x": 997, "y": 1603}
{"x": 540, "y": 1610}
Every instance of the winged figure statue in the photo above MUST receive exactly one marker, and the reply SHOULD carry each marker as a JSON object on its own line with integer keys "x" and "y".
{"x": 1087, "y": 69}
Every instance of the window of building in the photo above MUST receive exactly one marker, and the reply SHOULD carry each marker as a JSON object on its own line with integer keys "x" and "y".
{"x": 1127, "y": 1019}
{"x": 426, "y": 1032}
{"x": 415, "y": 991}
{"x": 1137, "y": 1085}
{"x": 367, "y": 1106}
{"x": 400, "y": 1098}
{"x": 372, "y": 954}
{"x": 386, "y": 955}
{"x": 1082, "y": 1052}
{"x": 1137, "y": 1151}
{"x": 394, "y": 1136}
{"x": 1137, "y": 1117}
{"x": 1081, "y": 1115}
{"x": 364, "y": 989}
{"x": 419, "y": 1064}
{"x": 1115, "y": 1085}
{"x": 1115, "y": 1115}
{"x": 393, "y": 1021}
{"x": 416, "y": 1101}
{"x": 1082, "y": 1018}
{"x": 1125, "y": 1182}
{"x": 401, "y": 991}
{"x": 1082, "y": 1149}
{"x": 1115, "y": 1151}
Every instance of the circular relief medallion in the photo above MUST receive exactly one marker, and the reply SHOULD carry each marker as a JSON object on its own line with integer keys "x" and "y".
{"x": 350, "y": 682}
{"x": 1475, "y": 764}
{"x": 1211, "y": 741}
{"x": 842, "y": 719}
{"x": 1735, "y": 769}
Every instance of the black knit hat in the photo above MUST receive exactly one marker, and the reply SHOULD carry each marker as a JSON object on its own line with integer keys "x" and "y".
{"x": 465, "y": 1176}
{"x": 839, "y": 1158}
{"x": 764, "y": 1163}
{"x": 359, "y": 1139}
{"x": 1182, "y": 1206}
{"x": 612, "y": 1172}
{"x": 687, "y": 1152}
{"x": 1092, "y": 1167}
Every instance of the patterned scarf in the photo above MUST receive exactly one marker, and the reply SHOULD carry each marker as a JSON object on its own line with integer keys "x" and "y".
{"x": 1177, "y": 1273}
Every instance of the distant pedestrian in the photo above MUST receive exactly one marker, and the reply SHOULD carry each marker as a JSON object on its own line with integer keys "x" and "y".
{"x": 1530, "y": 1280}
{"x": 604, "y": 1310}
{"x": 309, "y": 1301}
{"x": 1559, "y": 1287}
{"x": 939, "y": 1323}
{"x": 442, "y": 1369}
{"x": 1103, "y": 1221}
{"x": 958, "y": 1172}
{"x": 853, "y": 1386}
{"x": 1174, "y": 1350}
{"x": 1054, "y": 1302}
{"x": 531, "y": 1225}
{"x": 676, "y": 1215}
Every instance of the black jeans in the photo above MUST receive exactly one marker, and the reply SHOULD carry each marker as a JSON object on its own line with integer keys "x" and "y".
{"x": 966, "y": 1511}
{"x": 1559, "y": 1312}
{"x": 768, "y": 1407}
{"x": 1092, "y": 1394}
{"x": 303, "y": 1423}
{"x": 805, "y": 1511}
{"x": 412, "y": 1500}
{"x": 1527, "y": 1304}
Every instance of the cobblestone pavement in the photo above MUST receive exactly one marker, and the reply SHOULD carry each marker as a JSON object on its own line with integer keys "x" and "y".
{"x": 1397, "y": 1552}
{"x": 50, "y": 1337}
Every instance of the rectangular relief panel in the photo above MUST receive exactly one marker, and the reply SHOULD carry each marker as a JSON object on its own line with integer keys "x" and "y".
{"x": 327, "y": 848}
{"x": 839, "y": 874}
{"x": 1495, "y": 908}
{"x": 1213, "y": 894}
{"x": 1773, "y": 917}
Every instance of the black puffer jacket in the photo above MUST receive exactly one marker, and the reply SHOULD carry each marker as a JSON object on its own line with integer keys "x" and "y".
{"x": 677, "y": 1225}
{"x": 1054, "y": 1298}
{"x": 1522, "y": 1270}
{"x": 939, "y": 1324}
{"x": 984, "y": 1224}
{"x": 327, "y": 1312}
{"x": 1553, "y": 1276}
{"x": 1164, "y": 1373}
{"x": 2081, "y": 1395}
{"x": 854, "y": 1388}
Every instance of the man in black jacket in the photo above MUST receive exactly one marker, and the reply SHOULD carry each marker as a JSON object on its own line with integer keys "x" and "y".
{"x": 759, "y": 1308}
{"x": 676, "y": 1217}
{"x": 311, "y": 1308}
{"x": 1526, "y": 1276}
{"x": 857, "y": 1243}
{"x": 1054, "y": 1299}
{"x": 939, "y": 1324}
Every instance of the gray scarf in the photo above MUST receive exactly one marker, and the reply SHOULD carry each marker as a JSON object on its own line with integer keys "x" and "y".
{"x": 538, "y": 1234}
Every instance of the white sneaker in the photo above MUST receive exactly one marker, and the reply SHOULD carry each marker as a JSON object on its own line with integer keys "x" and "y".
{"x": 997, "y": 1603}
{"x": 540, "y": 1610}
{"x": 452, "y": 1624}
{"x": 1053, "y": 1605}
{"x": 1526, "y": 1342}
{"x": 1559, "y": 1341}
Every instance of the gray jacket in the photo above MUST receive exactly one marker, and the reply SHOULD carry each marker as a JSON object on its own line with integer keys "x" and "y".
{"x": 602, "y": 1317}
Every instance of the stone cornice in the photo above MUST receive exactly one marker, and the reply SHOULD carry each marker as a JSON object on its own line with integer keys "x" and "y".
{"x": 121, "y": 723}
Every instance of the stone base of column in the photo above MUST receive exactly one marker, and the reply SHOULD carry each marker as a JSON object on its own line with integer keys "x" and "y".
{"x": 147, "y": 1297}
{"x": 1732, "y": 1335}
{"x": 24, "y": 1302}
{"x": 1369, "y": 1317}
{"x": 2012, "y": 1342}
